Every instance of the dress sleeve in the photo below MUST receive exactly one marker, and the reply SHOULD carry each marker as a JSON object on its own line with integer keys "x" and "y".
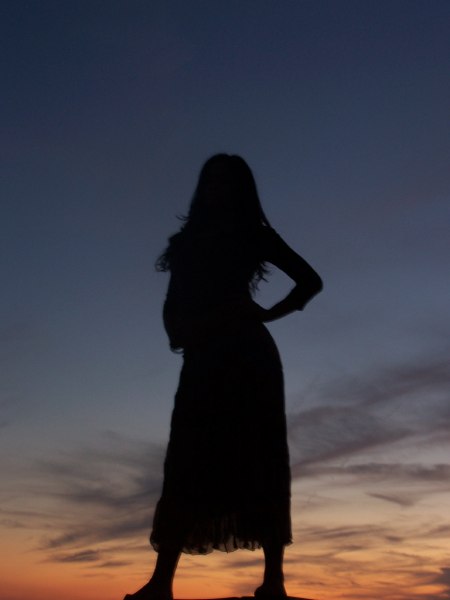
{"x": 277, "y": 252}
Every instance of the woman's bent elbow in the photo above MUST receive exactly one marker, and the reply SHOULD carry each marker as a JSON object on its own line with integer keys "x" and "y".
{"x": 316, "y": 285}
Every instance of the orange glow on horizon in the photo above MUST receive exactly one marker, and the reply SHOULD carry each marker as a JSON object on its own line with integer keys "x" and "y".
{"x": 348, "y": 546}
{"x": 369, "y": 574}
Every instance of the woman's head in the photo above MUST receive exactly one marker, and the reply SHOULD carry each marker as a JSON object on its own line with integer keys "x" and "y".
{"x": 226, "y": 191}
{"x": 225, "y": 195}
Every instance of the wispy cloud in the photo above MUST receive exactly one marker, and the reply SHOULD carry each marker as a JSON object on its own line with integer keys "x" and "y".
{"x": 96, "y": 503}
{"x": 356, "y": 416}
{"x": 381, "y": 438}
{"x": 400, "y": 567}
{"x": 443, "y": 578}
{"x": 333, "y": 432}
{"x": 400, "y": 499}
{"x": 83, "y": 556}
{"x": 91, "y": 498}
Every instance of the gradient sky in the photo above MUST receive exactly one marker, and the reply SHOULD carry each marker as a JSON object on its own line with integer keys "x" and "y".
{"x": 108, "y": 110}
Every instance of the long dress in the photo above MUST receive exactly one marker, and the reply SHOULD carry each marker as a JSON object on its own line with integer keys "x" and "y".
{"x": 226, "y": 472}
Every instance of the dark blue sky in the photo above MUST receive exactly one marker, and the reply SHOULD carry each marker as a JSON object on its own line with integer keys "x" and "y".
{"x": 109, "y": 109}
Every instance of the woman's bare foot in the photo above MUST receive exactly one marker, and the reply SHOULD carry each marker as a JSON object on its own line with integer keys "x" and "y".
{"x": 272, "y": 589}
{"x": 151, "y": 591}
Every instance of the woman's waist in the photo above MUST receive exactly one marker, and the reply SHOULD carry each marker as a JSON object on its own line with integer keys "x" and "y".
{"x": 210, "y": 310}
{"x": 235, "y": 317}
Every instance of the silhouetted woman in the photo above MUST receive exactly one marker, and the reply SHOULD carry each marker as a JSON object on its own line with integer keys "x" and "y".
{"x": 226, "y": 472}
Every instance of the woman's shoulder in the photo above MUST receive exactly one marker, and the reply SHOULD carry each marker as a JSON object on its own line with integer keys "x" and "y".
{"x": 269, "y": 237}
{"x": 273, "y": 247}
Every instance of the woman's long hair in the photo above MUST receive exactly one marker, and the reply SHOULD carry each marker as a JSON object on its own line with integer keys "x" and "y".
{"x": 225, "y": 194}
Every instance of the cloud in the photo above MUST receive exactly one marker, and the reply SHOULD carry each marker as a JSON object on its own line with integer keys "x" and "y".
{"x": 113, "y": 473}
{"x": 381, "y": 438}
{"x": 96, "y": 503}
{"x": 108, "y": 492}
{"x": 343, "y": 532}
{"x": 408, "y": 472}
{"x": 355, "y": 416}
{"x": 429, "y": 475}
{"x": 83, "y": 556}
{"x": 439, "y": 531}
{"x": 91, "y": 496}
{"x": 113, "y": 564}
{"x": 331, "y": 432}
{"x": 441, "y": 579}
{"x": 424, "y": 378}
{"x": 404, "y": 500}
{"x": 381, "y": 561}
{"x": 12, "y": 524}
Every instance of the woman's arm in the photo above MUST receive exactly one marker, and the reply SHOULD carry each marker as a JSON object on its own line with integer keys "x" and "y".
{"x": 308, "y": 282}
{"x": 291, "y": 302}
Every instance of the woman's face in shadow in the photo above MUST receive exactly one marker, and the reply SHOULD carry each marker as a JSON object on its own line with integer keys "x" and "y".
{"x": 219, "y": 190}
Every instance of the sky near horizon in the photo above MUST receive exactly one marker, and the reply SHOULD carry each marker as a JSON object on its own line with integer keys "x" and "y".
{"x": 108, "y": 110}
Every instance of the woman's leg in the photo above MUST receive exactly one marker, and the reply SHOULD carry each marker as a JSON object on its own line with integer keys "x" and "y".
{"x": 165, "y": 568}
{"x": 273, "y": 582}
{"x": 160, "y": 585}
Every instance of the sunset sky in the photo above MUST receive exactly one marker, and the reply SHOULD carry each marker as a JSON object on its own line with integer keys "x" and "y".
{"x": 108, "y": 110}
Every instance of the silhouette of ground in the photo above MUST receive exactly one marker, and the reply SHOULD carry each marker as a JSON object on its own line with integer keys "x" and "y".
{"x": 253, "y": 598}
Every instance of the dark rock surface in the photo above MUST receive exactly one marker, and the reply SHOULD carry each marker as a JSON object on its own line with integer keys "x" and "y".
{"x": 253, "y": 598}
